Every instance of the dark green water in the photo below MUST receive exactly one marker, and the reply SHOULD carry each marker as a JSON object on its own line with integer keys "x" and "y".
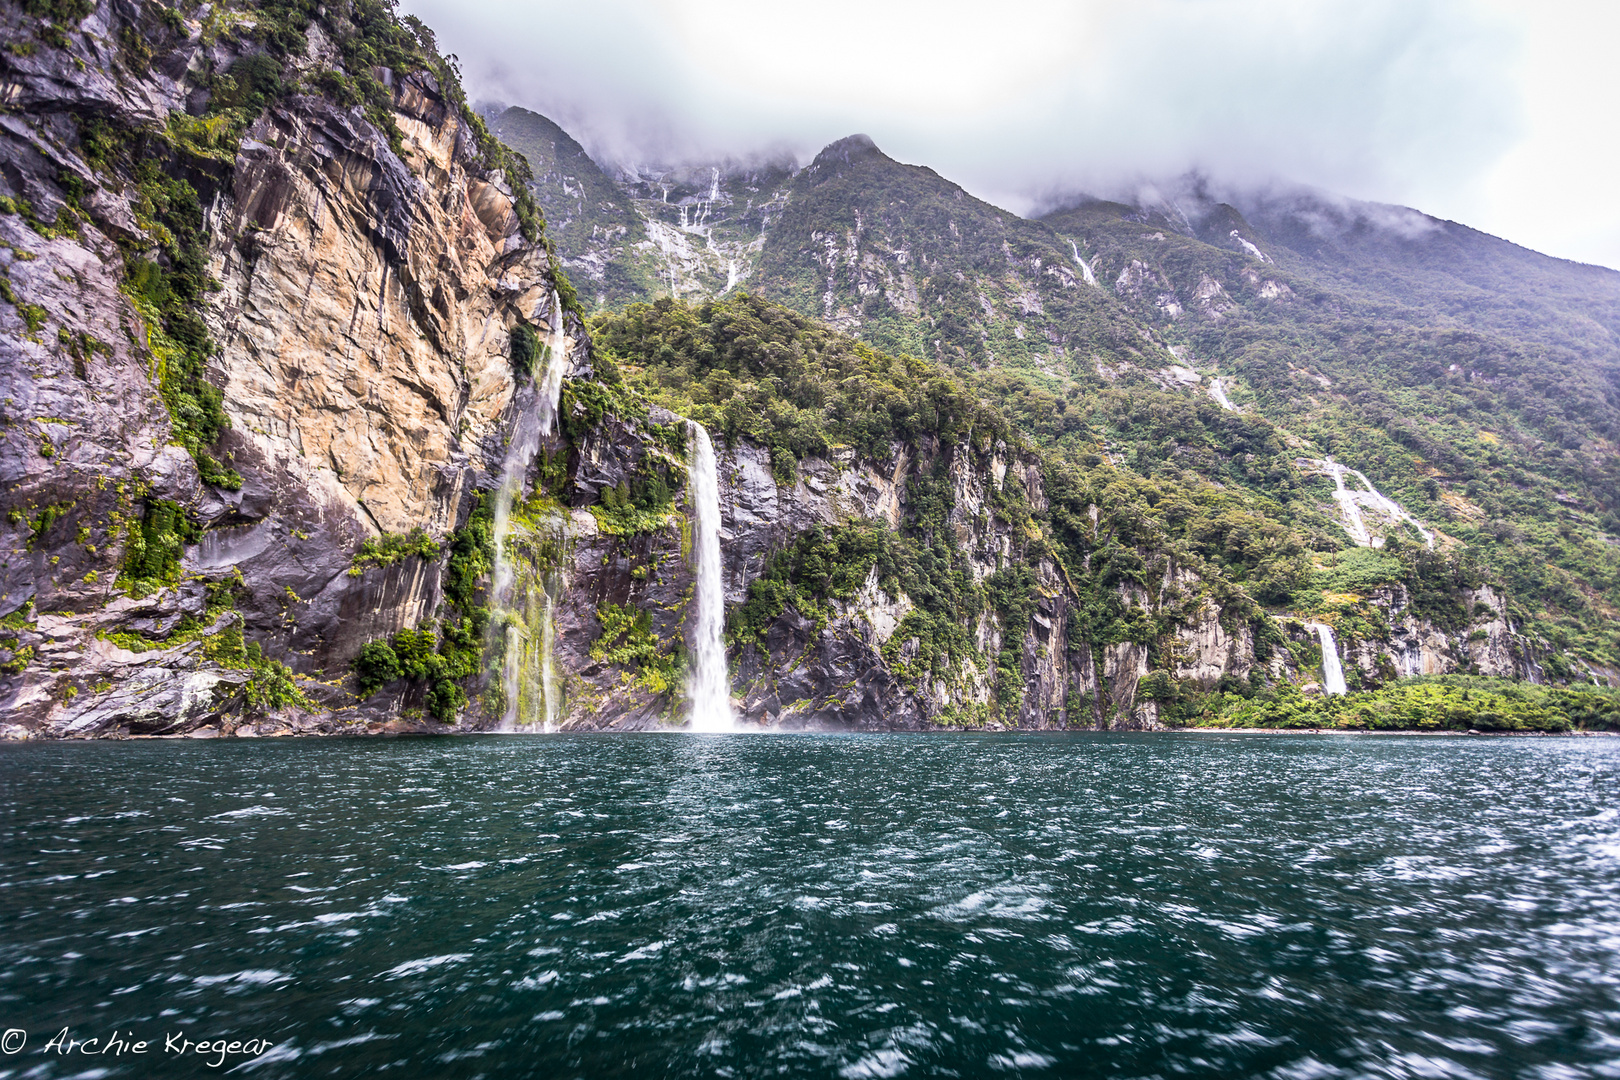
{"x": 665, "y": 905}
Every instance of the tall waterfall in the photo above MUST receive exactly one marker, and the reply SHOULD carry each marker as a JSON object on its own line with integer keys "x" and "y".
{"x": 551, "y": 380}
{"x": 1085, "y": 267}
{"x": 523, "y": 591}
{"x": 1332, "y": 670}
{"x": 709, "y": 680}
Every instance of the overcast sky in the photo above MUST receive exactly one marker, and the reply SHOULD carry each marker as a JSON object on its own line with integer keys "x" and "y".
{"x": 1501, "y": 114}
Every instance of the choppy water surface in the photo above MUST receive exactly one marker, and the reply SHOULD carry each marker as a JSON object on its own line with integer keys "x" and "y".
{"x": 1095, "y": 905}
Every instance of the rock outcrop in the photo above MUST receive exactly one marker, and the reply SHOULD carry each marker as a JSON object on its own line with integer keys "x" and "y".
{"x": 270, "y": 322}
{"x": 362, "y": 288}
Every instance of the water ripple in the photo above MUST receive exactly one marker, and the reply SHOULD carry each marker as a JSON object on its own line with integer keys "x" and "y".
{"x": 1102, "y": 905}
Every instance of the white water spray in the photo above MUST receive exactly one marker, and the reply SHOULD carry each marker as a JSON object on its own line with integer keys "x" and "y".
{"x": 1085, "y": 267}
{"x": 1351, "y": 502}
{"x": 708, "y": 682}
{"x": 550, "y": 385}
{"x": 1332, "y": 670}
{"x": 1218, "y": 392}
{"x": 1353, "y": 523}
{"x": 522, "y": 594}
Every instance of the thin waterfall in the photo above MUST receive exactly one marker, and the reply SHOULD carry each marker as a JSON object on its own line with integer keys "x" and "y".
{"x": 1085, "y": 267}
{"x": 1332, "y": 670}
{"x": 708, "y": 681}
{"x": 1393, "y": 509}
{"x": 552, "y": 699}
{"x": 522, "y": 592}
{"x": 556, "y": 367}
{"x": 1353, "y": 523}
{"x": 1351, "y": 501}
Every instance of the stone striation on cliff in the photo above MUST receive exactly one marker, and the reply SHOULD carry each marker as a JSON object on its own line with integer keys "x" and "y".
{"x": 362, "y": 288}
{"x": 261, "y": 365}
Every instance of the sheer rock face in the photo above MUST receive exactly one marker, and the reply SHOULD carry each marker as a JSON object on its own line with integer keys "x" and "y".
{"x": 363, "y": 317}
{"x": 362, "y": 324}
{"x": 847, "y": 674}
{"x": 367, "y": 307}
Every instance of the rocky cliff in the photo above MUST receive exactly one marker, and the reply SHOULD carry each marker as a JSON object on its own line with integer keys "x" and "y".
{"x": 239, "y": 341}
{"x": 302, "y": 434}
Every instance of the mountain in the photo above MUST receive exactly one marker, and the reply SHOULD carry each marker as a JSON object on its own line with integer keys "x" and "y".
{"x": 304, "y": 429}
{"x": 648, "y": 230}
{"x": 1472, "y": 383}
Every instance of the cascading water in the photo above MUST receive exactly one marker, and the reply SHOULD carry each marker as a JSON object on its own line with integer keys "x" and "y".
{"x": 708, "y": 681}
{"x": 1353, "y": 523}
{"x": 523, "y": 590}
{"x": 1332, "y": 670}
{"x": 1085, "y": 267}
{"x": 1352, "y": 501}
{"x": 556, "y": 367}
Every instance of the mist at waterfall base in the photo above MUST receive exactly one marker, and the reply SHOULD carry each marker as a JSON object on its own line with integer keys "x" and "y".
{"x": 1098, "y": 904}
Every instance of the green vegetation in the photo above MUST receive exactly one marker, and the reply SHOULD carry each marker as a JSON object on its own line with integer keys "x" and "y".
{"x": 21, "y": 655}
{"x": 446, "y": 658}
{"x": 390, "y": 548}
{"x": 627, "y": 640}
{"x": 1446, "y": 703}
{"x": 525, "y": 349}
{"x": 743, "y": 367}
{"x": 169, "y": 296}
{"x": 152, "y": 547}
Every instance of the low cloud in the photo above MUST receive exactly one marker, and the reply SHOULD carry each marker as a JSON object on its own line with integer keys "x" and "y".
{"x": 1023, "y": 103}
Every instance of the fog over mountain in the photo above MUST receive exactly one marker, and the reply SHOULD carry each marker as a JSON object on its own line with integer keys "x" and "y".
{"x": 1491, "y": 113}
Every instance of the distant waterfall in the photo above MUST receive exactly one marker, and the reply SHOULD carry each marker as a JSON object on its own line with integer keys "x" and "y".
{"x": 1332, "y": 670}
{"x": 522, "y": 591}
{"x": 551, "y": 379}
{"x": 1352, "y": 501}
{"x": 1085, "y": 267}
{"x": 708, "y": 682}
{"x": 1353, "y": 523}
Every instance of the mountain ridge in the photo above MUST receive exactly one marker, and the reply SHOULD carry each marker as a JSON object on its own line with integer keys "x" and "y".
{"x": 1173, "y": 295}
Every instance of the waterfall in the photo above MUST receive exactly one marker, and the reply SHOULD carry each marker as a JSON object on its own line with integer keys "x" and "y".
{"x": 1332, "y": 671}
{"x": 551, "y": 699}
{"x": 556, "y": 367}
{"x": 1353, "y": 524}
{"x": 1085, "y": 267}
{"x": 708, "y": 681}
{"x": 1392, "y": 508}
{"x": 1218, "y": 392}
{"x": 522, "y": 593}
{"x": 1351, "y": 501}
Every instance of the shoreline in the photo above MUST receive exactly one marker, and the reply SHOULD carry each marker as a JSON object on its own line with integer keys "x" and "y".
{"x": 212, "y": 735}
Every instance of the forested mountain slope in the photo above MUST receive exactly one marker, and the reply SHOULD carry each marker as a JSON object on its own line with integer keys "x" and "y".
{"x": 1472, "y": 384}
{"x": 306, "y": 430}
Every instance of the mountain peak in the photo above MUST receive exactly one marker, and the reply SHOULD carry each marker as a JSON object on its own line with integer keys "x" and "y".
{"x": 850, "y": 150}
